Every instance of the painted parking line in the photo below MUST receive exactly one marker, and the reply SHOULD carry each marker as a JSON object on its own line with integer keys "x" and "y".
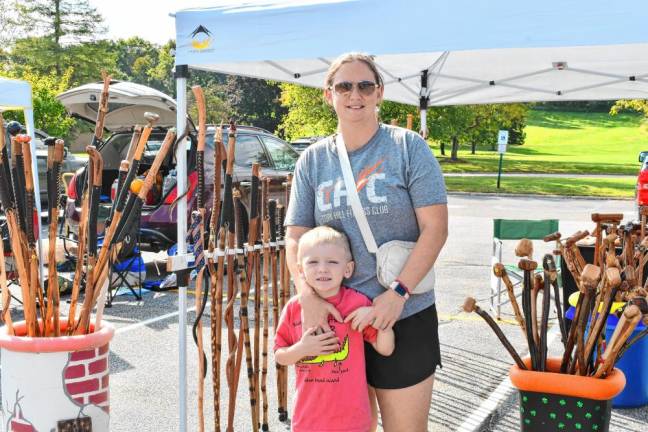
{"x": 153, "y": 320}
{"x": 472, "y": 317}
{"x": 503, "y": 390}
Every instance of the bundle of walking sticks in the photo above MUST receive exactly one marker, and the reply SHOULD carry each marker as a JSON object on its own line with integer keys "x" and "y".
{"x": 258, "y": 262}
{"x": 92, "y": 266}
{"x": 612, "y": 277}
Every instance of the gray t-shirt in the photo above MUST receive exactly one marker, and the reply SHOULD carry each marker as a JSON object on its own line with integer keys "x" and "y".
{"x": 395, "y": 172}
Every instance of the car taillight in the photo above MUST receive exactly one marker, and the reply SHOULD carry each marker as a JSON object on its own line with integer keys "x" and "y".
{"x": 193, "y": 182}
{"x": 71, "y": 190}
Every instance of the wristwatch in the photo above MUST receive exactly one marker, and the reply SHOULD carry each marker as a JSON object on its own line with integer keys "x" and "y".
{"x": 400, "y": 289}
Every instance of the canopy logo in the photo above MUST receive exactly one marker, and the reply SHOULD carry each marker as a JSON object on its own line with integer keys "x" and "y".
{"x": 201, "y": 38}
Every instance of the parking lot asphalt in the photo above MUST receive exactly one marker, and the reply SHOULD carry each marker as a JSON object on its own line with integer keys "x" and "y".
{"x": 471, "y": 392}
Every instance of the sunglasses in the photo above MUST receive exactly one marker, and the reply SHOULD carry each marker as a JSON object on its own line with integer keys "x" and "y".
{"x": 365, "y": 88}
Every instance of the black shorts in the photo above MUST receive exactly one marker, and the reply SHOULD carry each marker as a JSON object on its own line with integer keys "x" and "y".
{"x": 415, "y": 358}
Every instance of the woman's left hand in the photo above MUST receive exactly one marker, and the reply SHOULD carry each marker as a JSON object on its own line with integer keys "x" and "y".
{"x": 387, "y": 308}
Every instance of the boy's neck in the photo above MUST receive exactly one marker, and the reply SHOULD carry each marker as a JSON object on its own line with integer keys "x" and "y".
{"x": 330, "y": 293}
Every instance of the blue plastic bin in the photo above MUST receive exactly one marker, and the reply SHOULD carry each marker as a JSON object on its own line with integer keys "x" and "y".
{"x": 634, "y": 365}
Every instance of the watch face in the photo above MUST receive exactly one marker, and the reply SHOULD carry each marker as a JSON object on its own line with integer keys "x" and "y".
{"x": 400, "y": 290}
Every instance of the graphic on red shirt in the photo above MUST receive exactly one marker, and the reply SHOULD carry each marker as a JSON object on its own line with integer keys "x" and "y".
{"x": 335, "y": 357}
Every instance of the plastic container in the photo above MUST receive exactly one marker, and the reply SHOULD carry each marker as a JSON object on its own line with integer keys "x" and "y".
{"x": 634, "y": 365}
{"x": 49, "y": 380}
{"x": 552, "y": 401}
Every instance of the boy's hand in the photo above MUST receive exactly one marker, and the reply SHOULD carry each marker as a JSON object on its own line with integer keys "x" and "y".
{"x": 312, "y": 344}
{"x": 357, "y": 318}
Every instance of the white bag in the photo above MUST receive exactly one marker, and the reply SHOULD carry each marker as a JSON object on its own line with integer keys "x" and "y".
{"x": 390, "y": 260}
{"x": 391, "y": 256}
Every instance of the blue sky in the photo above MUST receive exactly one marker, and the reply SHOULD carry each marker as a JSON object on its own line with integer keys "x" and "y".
{"x": 148, "y": 19}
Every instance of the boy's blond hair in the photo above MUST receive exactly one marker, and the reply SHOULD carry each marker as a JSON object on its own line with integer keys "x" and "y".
{"x": 324, "y": 235}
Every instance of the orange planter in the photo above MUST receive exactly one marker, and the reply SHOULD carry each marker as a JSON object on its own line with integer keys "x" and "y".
{"x": 561, "y": 402}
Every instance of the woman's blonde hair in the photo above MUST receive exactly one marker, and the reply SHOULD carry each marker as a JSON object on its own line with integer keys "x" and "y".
{"x": 350, "y": 58}
{"x": 324, "y": 235}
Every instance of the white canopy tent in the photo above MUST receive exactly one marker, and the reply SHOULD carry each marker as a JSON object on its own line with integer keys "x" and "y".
{"x": 430, "y": 52}
{"x": 17, "y": 95}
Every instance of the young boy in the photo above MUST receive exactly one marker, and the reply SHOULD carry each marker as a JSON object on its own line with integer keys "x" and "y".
{"x": 332, "y": 392}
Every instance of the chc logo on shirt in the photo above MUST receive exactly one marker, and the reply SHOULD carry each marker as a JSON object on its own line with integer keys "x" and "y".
{"x": 330, "y": 192}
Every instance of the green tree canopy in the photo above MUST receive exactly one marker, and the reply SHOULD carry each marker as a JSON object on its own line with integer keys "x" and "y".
{"x": 49, "y": 114}
{"x": 638, "y": 105}
{"x": 58, "y": 34}
{"x": 254, "y": 101}
{"x": 307, "y": 112}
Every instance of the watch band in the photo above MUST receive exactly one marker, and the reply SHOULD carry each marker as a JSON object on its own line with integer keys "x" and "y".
{"x": 400, "y": 289}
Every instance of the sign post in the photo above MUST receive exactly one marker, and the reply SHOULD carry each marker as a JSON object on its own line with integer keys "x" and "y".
{"x": 502, "y": 141}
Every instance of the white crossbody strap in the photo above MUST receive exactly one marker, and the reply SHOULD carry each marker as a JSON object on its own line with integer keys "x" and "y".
{"x": 352, "y": 196}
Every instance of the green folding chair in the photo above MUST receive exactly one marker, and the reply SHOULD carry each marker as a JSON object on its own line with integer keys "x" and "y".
{"x": 515, "y": 229}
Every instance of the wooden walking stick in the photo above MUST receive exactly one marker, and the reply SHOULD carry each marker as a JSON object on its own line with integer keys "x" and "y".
{"x": 228, "y": 222}
{"x": 544, "y": 320}
{"x": 590, "y": 278}
{"x": 198, "y": 238}
{"x": 244, "y": 283}
{"x": 124, "y": 170}
{"x": 216, "y": 275}
{"x": 81, "y": 246}
{"x": 266, "y": 324}
{"x": 626, "y": 325}
{"x": 137, "y": 197}
{"x": 255, "y": 209}
{"x": 195, "y": 237}
{"x": 5, "y": 318}
{"x": 500, "y": 271}
{"x": 18, "y": 179}
{"x": 283, "y": 299}
{"x": 549, "y": 265}
{"x": 253, "y": 231}
{"x": 272, "y": 215}
{"x": 285, "y": 289}
{"x": 218, "y": 317}
{"x": 609, "y": 285}
{"x": 120, "y": 205}
{"x": 55, "y": 151}
{"x": 9, "y": 206}
{"x": 6, "y": 294}
{"x": 528, "y": 267}
{"x": 95, "y": 170}
{"x": 30, "y": 209}
{"x": 470, "y": 305}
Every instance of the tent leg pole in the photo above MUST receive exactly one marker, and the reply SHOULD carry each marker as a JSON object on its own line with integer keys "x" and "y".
{"x": 182, "y": 73}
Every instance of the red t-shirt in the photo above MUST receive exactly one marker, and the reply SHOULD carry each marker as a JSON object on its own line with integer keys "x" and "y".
{"x": 332, "y": 390}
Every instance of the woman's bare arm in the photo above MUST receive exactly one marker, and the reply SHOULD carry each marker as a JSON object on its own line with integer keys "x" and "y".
{"x": 433, "y": 225}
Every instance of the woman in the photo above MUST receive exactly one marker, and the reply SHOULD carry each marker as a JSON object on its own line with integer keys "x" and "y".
{"x": 402, "y": 192}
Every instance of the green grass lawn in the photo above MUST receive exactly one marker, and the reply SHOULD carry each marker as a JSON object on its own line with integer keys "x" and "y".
{"x": 599, "y": 187}
{"x": 563, "y": 142}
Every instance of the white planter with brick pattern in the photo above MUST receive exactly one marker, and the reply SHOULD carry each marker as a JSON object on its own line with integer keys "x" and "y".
{"x": 45, "y": 380}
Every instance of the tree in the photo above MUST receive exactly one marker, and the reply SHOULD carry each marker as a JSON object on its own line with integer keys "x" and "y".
{"x": 7, "y": 19}
{"x": 397, "y": 111}
{"x": 60, "y": 33}
{"x": 638, "y": 105}
{"x": 255, "y": 102}
{"x": 308, "y": 114}
{"x": 475, "y": 124}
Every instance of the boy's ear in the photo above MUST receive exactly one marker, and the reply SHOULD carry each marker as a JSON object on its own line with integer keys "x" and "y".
{"x": 349, "y": 269}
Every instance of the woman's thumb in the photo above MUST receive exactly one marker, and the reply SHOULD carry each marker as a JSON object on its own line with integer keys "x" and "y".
{"x": 333, "y": 311}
